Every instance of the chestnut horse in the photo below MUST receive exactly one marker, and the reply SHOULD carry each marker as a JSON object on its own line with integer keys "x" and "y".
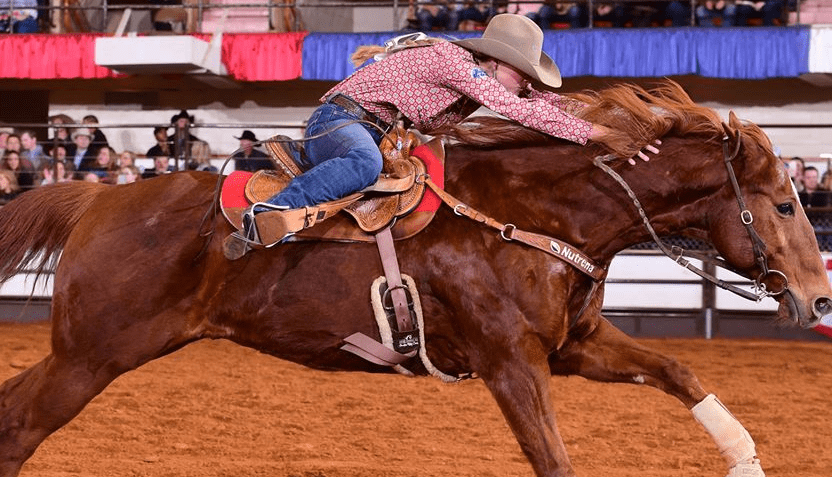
{"x": 142, "y": 273}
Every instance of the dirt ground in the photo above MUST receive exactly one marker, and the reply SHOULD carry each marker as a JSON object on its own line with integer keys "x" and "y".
{"x": 217, "y": 409}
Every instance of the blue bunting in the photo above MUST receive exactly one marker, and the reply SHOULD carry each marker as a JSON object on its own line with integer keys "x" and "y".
{"x": 739, "y": 53}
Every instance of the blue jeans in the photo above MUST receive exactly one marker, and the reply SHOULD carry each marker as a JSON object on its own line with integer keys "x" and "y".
{"x": 706, "y": 17}
{"x": 28, "y": 25}
{"x": 344, "y": 159}
{"x": 771, "y": 10}
{"x": 678, "y": 13}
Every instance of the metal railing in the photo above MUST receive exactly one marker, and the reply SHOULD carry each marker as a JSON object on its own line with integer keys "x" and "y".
{"x": 201, "y": 6}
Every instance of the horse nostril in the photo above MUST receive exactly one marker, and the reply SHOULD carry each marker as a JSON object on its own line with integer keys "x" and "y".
{"x": 822, "y": 307}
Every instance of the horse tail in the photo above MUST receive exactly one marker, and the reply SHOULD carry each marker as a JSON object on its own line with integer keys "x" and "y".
{"x": 35, "y": 226}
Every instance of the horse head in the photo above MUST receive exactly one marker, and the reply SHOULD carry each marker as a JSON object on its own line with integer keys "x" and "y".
{"x": 759, "y": 226}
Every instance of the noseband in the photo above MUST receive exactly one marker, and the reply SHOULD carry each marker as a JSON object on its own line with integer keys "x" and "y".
{"x": 678, "y": 254}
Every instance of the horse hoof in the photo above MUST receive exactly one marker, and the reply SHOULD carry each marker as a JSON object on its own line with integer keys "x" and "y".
{"x": 234, "y": 247}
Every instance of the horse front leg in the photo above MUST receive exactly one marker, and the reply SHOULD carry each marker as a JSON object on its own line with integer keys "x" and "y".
{"x": 518, "y": 378}
{"x": 510, "y": 358}
{"x": 609, "y": 355}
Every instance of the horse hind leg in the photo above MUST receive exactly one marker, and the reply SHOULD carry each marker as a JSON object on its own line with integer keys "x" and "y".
{"x": 37, "y": 402}
{"x": 609, "y": 355}
{"x": 45, "y": 397}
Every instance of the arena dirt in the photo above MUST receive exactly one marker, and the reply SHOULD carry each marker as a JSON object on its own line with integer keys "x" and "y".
{"x": 218, "y": 409}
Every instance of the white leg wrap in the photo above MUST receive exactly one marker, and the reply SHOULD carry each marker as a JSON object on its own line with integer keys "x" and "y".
{"x": 732, "y": 440}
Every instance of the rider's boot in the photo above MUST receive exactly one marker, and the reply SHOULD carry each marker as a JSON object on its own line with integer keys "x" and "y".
{"x": 267, "y": 224}
{"x": 235, "y": 246}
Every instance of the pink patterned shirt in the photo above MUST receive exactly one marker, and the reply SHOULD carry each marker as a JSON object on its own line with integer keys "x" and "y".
{"x": 442, "y": 84}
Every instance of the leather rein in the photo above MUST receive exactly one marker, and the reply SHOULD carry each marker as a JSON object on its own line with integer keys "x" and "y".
{"x": 677, "y": 254}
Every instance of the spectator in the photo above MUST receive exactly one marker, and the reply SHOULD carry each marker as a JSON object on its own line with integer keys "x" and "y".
{"x": 162, "y": 147}
{"x": 50, "y": 170}
{"x": 58, "y": 153}
{"x": 474, "y": 14}
{"x": 12, "y": 143}
{"x": 796, "y": 167}
{"x": 22, "y": 169}
{"x": 105, "y": 164}
{"x": 560, "y": 12}
{"x": 708, "y": 10}
{"x": 528, "y": 10}
{"x": 201, "y": 158}
{"x": 813, "y": 195}
{"x": 646, "y": 14}
{"x": 181, "y": 139}
{"x": 24, "y": 17}
{"x": 31, "y": 150}
{"x": 826, "y": 180}
{"x": 679, "y": 13}
{"x": 84, "y": 154}
{"x": 614, "y": 13}
{"x": 436, "y": 15}
{"x": 128, "y": 175}
{"x": 99, "y": 140}
{"x": 60, "y": 135}
{"x": 161, "y": 165}
{"x": 8, "y": 186}
{"x": 127, "y": 158}
{"x": 4, "y": 136}
{"x": 768, "y": 11}
{"x": 248, "y": 158}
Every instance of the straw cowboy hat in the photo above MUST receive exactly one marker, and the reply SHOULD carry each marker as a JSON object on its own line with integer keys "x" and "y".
{"x": 518, "y": 41}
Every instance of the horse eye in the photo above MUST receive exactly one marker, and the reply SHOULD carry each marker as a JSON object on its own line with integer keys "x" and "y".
{"x": 786, "y": 208}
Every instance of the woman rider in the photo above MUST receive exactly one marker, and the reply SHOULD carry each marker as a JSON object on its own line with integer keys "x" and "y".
{"x": 431, "y": 84}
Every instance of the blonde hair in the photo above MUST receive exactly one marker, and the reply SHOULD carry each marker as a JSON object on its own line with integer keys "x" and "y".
{"x": 200, "y": 152}
{"x": 365, "y": 52}
{"x": 11, "y": 179}
{"x": 130, "y": 154}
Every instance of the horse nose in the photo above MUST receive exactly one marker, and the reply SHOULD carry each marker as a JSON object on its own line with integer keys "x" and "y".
{"x": 821, "y": 307}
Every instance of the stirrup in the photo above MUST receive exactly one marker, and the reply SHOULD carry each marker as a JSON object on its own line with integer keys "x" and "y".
{"x": 250, "y": 232}
{"x": 239, "y": 243}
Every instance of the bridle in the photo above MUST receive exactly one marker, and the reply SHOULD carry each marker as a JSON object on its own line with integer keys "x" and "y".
{"x": 677, "y": 254}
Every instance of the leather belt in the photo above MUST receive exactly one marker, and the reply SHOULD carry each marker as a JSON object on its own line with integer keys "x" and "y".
{"x": 352, "y": 107}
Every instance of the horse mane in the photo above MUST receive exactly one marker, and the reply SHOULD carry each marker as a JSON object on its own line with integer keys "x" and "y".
{"x": 636, "y": 116}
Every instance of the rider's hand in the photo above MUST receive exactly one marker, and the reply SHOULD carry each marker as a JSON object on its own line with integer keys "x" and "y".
{"x": 649, "y": 148}
{"x": 605, "y": 135}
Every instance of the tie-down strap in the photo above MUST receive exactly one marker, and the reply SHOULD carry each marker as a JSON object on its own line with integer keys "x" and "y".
{"x": 552, "y": 246}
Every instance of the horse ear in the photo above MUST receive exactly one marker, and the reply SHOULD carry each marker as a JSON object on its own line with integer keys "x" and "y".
{"x": 733, "y": 120}
{"x": 732, "y": 127}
